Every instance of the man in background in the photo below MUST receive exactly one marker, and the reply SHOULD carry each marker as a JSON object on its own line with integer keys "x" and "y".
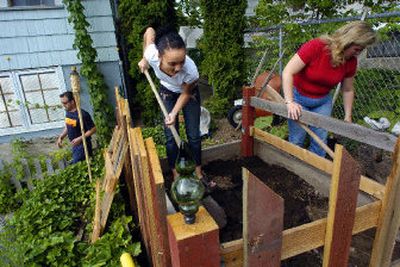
{"x": 73, "y": 129}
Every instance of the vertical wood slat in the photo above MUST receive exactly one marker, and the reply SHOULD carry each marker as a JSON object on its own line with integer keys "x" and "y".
{"x": 139, "y": 190}
{"x": 28, "y": 175}
{"x": 38, "y": 169}
{"x": 49, "y": 166}
{"x": 14, "y": 180}
{"x": 262, "y": 223}
{"x": 248, "y": 116}
{"x": 61, "y": 164}
{"x": 161, "y": 252}
{"x": 389, "y": 220}
{"x": 145, "y": 172}
{"x": 342, "y": 209}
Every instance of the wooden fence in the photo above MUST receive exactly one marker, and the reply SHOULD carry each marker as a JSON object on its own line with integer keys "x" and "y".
{"x": 38, "y": 172}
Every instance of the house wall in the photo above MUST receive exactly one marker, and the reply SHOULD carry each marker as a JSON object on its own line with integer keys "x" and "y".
{"x": 41, "y": 37}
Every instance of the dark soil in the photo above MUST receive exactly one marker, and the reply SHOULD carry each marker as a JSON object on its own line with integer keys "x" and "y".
{"x": 301, "y": 200}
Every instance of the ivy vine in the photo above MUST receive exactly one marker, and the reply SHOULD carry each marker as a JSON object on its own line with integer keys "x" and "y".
{"x": 103, "y": 112}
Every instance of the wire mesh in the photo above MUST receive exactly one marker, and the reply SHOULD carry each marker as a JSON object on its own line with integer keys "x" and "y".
{"x": 377, "y": 82}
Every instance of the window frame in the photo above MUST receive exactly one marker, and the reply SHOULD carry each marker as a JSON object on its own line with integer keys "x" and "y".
{"x": 27, "y": 125}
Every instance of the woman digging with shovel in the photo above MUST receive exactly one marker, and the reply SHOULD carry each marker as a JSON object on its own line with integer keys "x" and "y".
{"x": 165, "y": 52}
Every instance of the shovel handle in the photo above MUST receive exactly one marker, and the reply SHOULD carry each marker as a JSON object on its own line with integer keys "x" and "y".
{"x": 275, "y": 96}
{"x": 163, "y": 109}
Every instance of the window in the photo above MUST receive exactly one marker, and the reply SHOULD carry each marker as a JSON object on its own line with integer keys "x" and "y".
{"x": 32, "y": 3}
{"x": 10, "y": 113}
{"x": 29, "y": 100}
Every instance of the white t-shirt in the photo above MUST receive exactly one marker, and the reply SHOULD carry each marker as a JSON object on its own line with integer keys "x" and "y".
{"x": 188, "y": 74}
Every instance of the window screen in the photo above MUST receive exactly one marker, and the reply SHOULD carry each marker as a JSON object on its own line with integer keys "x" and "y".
{"x": 10, "y": 113}
{"x": 41, "y": 93}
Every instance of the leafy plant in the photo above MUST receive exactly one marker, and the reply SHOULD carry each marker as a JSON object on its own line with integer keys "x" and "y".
{"x": 265, "y": 124}
{"x": 45, "y": 230}
{"x": 103, "y": 112}
{"x": 222, "y": 47}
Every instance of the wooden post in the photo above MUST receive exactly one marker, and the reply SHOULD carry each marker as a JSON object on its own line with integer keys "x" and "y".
{"x": 248, "y": 116}
{"x": 342, "y": 209}
{"x": 389, "y": 220}
{"x": 194, "y": 244}
{"x": 262, "y": 223}
{"x": 161, "y": 251}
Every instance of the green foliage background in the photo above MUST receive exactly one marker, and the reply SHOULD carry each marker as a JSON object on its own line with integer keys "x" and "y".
{"x": 222, "y": 47}
{"x": 44, "y": 230}
{"x": 103, "y": 112}
{"x": 135, "y": 17}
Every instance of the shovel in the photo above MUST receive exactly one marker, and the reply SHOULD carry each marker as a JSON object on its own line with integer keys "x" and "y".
{"x": 177, "y": 138}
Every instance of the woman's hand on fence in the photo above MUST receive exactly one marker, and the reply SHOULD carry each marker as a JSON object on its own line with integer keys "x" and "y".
{"x": 294, "y": 110}
{"x": 143, "y": 65}
{"x": 170, "y": 119}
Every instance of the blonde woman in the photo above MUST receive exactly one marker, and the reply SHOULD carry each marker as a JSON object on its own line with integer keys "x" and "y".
{"x": 317, "y": 67}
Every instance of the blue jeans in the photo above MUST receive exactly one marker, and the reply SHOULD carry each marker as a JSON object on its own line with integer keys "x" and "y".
{"x": 191, "y": 113}
{"x": 321, "y": 106}
{"x": 78, "y": 152}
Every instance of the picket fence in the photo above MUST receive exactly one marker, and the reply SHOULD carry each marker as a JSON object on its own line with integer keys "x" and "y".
{"x": 39, "y": 172}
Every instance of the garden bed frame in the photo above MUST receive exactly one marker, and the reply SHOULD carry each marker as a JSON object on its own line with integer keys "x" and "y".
{"x": 340, "y": 180}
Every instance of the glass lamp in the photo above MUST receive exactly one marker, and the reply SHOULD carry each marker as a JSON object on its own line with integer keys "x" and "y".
{"x": 187, "y": 190}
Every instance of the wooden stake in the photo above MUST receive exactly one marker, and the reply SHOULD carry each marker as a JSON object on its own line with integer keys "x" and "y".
{"x": 389, "y": 221}
{"x": 76, "y": 88}
{"x": 248, "y": 116}
{"x": 342, "y": 209}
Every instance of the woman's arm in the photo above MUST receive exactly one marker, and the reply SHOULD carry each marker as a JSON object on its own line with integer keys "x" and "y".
{"x": 348, "y": 97}
{"x": 294, "y": 66}
{"x": 148, "y": 38}
{"x": 181, "y": 102}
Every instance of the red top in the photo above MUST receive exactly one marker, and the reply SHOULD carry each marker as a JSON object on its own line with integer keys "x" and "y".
{"x": 318, "y": 77}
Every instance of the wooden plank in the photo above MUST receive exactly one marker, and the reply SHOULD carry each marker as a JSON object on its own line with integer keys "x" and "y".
{"x": 14, "y": 180}
{"x": 353, "y": 131}
{"x": 49, "y": 165}
{"x": 194, "y": 244}
{"x": 389, "y": 221}
{"x": 28, "y": 175}
{"x": 248, "y": 117}
{"x": 232, "y": 253}
{"x": 128, "y": 175}
{"x": 113, "y": 138}
{"x": 261, "y": 234}
{"x": 161, "y": 252}
{"x": 367, "y": 185}
{"x": 306, "y": 237}
{"x": 61, "y": 164}
{"x": 342, "y": 206}
{"x": 139, "y": 189}
{"x": 149, "y": 199}
{"x": 38, "y": 169}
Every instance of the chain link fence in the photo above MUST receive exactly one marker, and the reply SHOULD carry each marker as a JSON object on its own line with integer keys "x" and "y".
{"x": 377, "y": 82}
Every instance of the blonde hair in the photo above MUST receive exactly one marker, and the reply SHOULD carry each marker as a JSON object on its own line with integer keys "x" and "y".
{"x": 353, "y": 33}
